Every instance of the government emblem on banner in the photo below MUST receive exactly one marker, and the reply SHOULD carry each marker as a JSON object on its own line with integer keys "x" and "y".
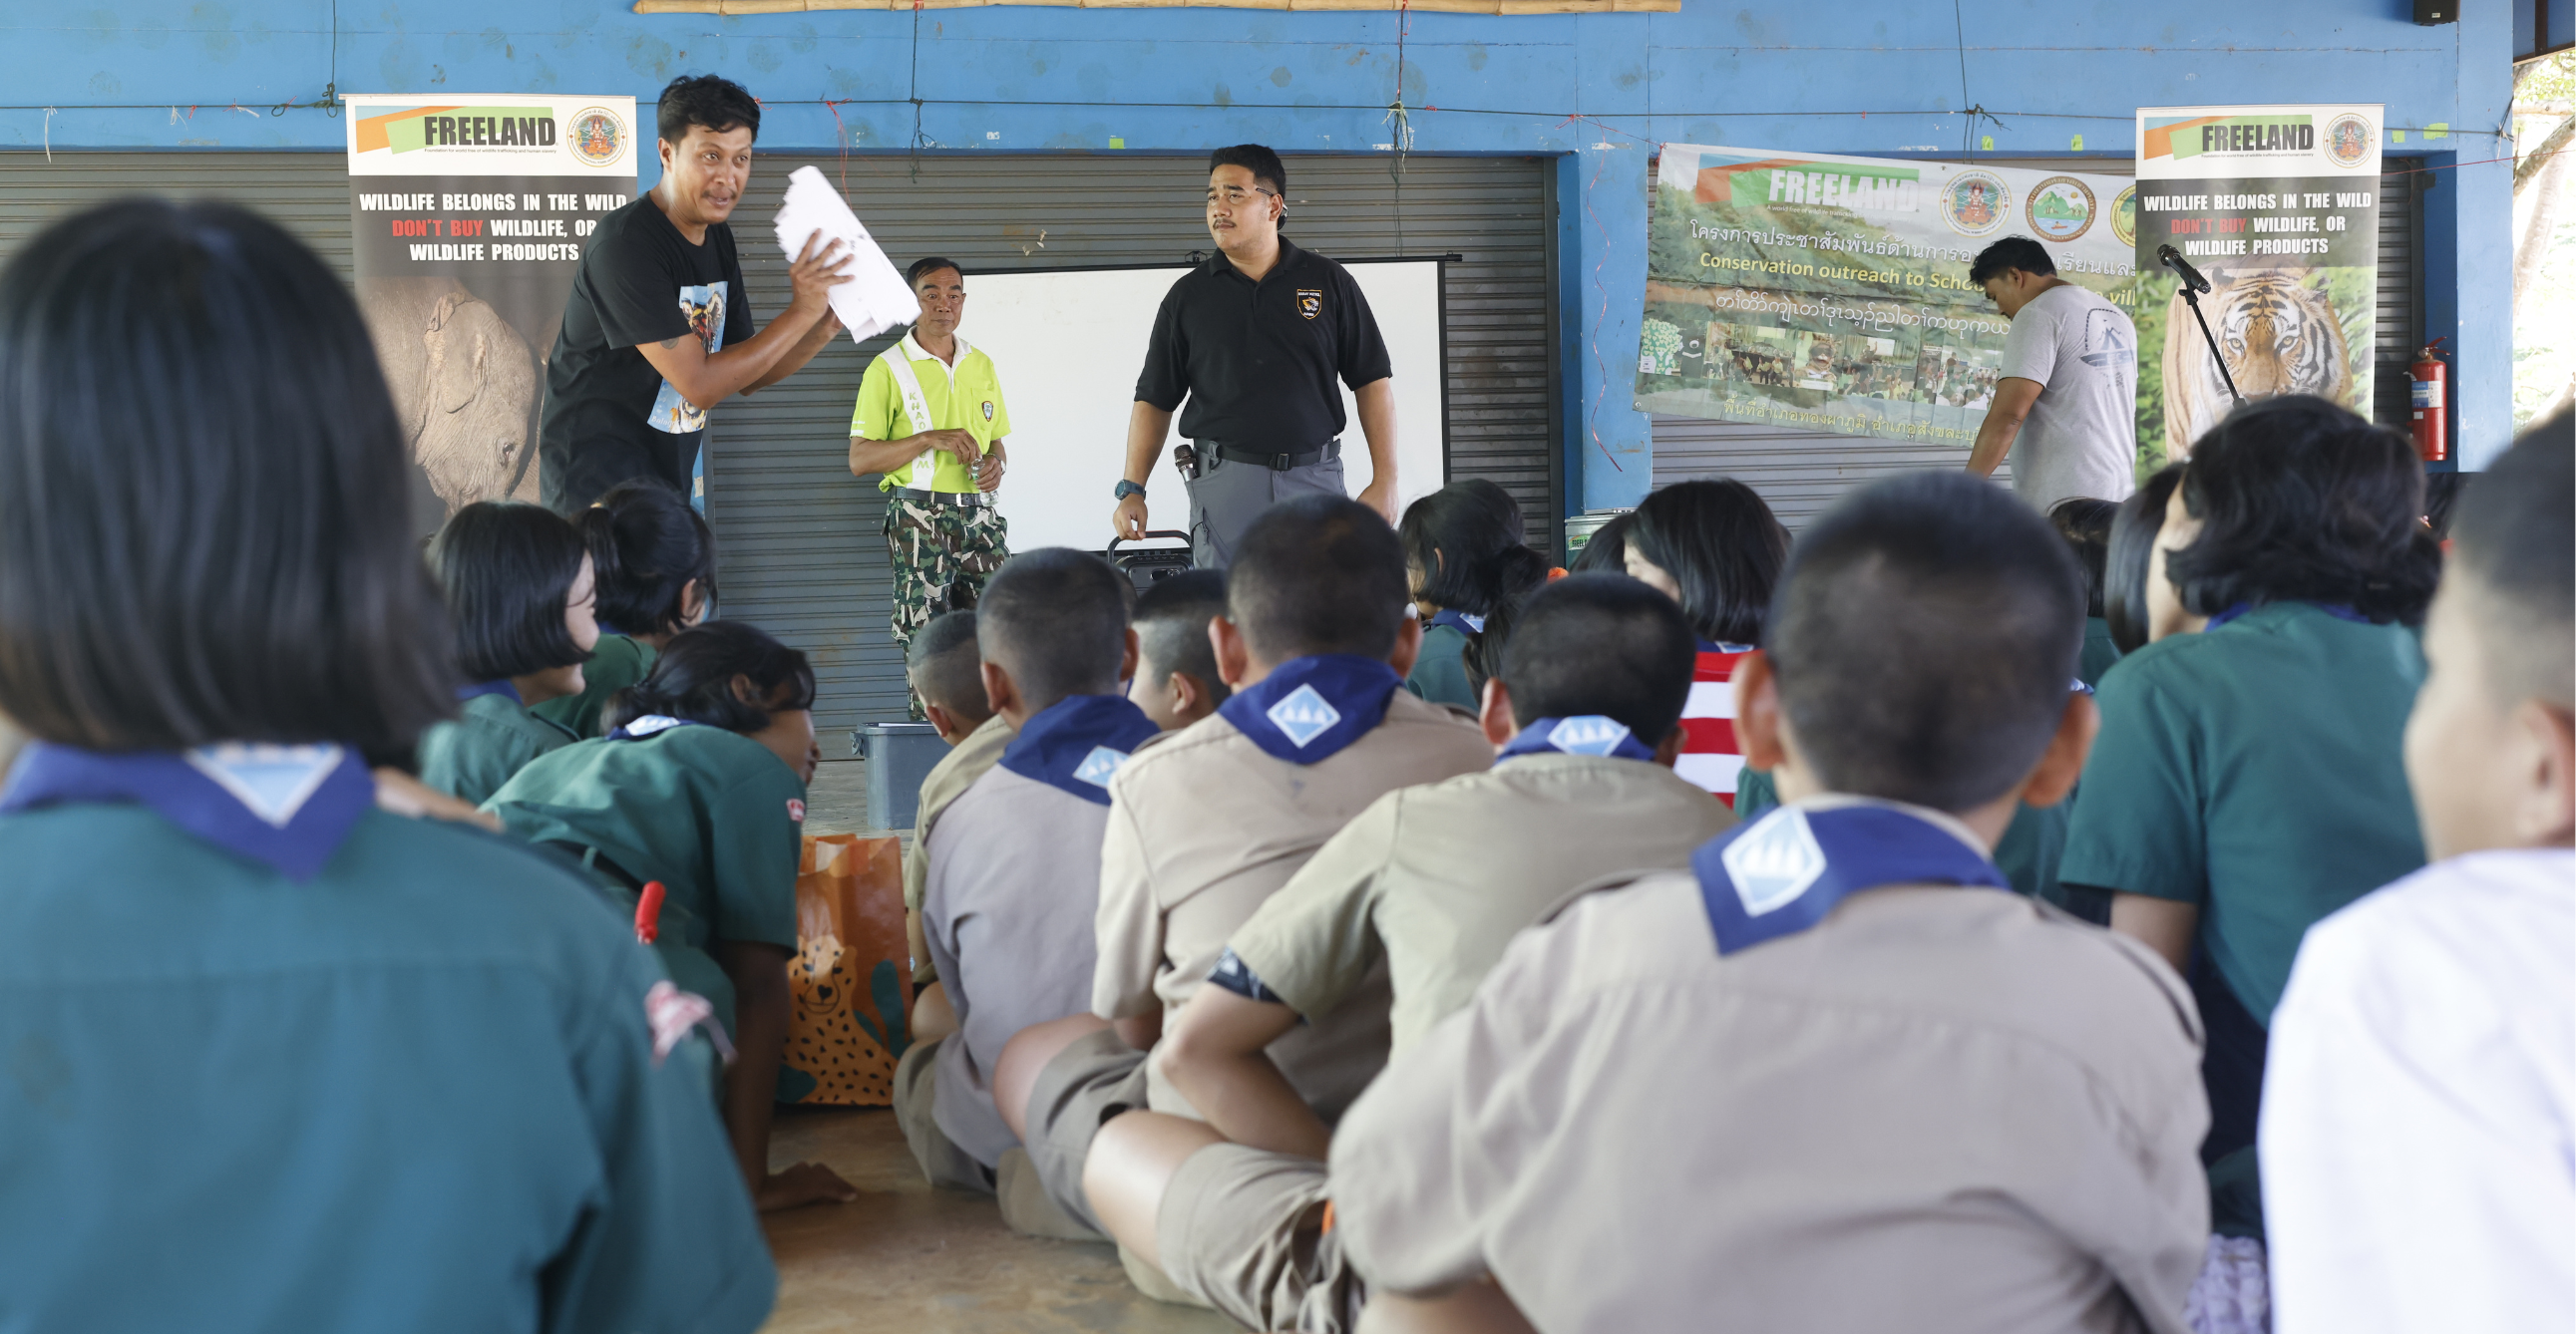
{"x": 2348, "y": 140}
{"x": 597, "y": 136}
{"x": 2060, "y": 208}
{"x": 2124, "y": 216}
{"x": 1975, "y": 202}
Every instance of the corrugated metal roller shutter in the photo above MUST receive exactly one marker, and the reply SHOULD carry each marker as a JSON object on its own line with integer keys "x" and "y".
{"x": 803, "y": 551}
{"x": 306, "y": 192}
{"x": 1801, "y": 472}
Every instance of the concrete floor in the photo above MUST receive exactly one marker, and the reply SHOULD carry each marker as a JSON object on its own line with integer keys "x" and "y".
{"x": 906, "y": 1259}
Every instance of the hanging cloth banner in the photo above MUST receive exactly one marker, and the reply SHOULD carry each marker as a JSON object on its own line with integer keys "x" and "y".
{"x": 2278, "y": 207}
{"x": 468, "y": 214}
{"x": 1831, "y": 293}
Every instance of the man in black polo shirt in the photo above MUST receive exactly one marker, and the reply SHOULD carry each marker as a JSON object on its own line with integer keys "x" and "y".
{"x": 658, "y": 328}
{"x": 1254, "y": 339}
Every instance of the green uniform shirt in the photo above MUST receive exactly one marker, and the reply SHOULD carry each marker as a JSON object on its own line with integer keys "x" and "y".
{"x": 2028, "y": 854}
{"x": 415, "y": 1093}
{"x": 2099, "y": 651}
{"x": 969, "y": 399}
{"x": 2254, "y": 770}
{"x": 618, "y": 662}
{"x": 492, "y": 738}
{"x": 714, "y": 815}
{"x": 1440, "y": 669}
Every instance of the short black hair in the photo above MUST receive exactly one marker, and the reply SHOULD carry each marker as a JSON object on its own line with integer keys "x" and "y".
{"x": 2131, "y": 553}
{"x": 2300, "y": 500}
{"x": 646, "y": 545}
{"x": 946, "y": 666}
{"x": 1924, "y": 639}
{"x": 2012, "y": 252}
{"x": 692, "y": 680}
{"x": 1172, "y": 616}
{"x": 1466, "y": 540}
{"x": 1260, "y": 161}
{"x": 507, "y": 567}
{"x": 1056, "y": 620}
{"x": 2515, "y": 540}
{"x": 1601, "y": 644}
{"x": 1318, "y": 574}
{"x": 930, "y": 264}
{"x": 205, "y": 519}
{"x": 2085, "y": 523}
{"x": 1720, "y": 542}
{"x": 1606, "y": 551}
{"x": 708, "y": 100}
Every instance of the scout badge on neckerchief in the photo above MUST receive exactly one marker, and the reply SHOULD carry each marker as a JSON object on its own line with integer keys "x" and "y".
{"x": 1460, "y": 621}
{"x": 651, "y": 724}
{"x": 288, "y": 806}
{"x": 2334, "y": 609}
{"x": 1310, "y": 708}
{"x": 1076, "y": 743}
{"x": 1782, "y": 873}
{"x": 480, "y": 688}
{"x": 1582, "y": 734}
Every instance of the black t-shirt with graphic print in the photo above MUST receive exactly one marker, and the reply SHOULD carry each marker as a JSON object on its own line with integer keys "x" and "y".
{"x": 1257, "y": 361}
{"x": 609, "y": 415}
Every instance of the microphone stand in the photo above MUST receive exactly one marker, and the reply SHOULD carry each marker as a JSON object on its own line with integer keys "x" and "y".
{"x": 2191, "y": 298}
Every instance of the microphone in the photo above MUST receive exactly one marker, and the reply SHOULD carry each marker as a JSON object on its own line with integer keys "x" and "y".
{"x": 2173, "y": 260}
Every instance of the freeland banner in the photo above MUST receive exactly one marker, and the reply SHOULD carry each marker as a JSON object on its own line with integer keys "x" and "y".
{"x": 467, "y": 219}
{"x": 1831, "y": 293}
{"x": 2277, "y": 207}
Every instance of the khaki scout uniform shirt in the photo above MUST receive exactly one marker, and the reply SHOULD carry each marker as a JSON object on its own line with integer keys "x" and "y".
{"x": 948, "y": 780}
{"x": 1436, "y": 880}
{"x": 1203, "y": 826}
{"x": 1941, "y": 1109}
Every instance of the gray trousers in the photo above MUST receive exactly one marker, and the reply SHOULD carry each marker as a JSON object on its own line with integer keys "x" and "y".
{"x": 1227, "y": 496}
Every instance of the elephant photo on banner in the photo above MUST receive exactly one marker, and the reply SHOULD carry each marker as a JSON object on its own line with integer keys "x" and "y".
{"x": 2278, "y": 209}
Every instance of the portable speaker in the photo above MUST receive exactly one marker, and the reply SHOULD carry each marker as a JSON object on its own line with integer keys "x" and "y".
{"x": 2431, "y": 12}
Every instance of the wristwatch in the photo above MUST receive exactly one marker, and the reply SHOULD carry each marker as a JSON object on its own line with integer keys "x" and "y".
{"x": 1127, "y": 488}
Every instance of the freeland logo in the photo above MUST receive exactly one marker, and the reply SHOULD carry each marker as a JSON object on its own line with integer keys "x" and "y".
{"x": 1303, "y": 716}
{"x": 1774, "y": 862}
{"x": 1588, "y": 734}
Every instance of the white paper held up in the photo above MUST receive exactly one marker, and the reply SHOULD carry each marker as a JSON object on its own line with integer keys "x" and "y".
{"x": 874, "y": 298}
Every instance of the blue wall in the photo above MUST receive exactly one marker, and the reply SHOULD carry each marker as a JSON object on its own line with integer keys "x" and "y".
{"x": 1863, "y": 76}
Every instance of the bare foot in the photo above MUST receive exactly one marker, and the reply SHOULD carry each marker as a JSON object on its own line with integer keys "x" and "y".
{"x": 801, "y": 1185}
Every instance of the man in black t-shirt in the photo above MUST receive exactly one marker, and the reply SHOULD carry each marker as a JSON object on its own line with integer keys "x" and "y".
{"x": 1255, "y": 339}
{"x": 658, "y": 329}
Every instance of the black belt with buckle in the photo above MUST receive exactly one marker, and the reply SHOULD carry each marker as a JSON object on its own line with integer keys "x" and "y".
{"x": 1330, "y": 449}
{"x": 971, "y": 500}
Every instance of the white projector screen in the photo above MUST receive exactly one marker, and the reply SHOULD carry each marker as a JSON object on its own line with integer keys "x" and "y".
{"x": 1069, "y": 343}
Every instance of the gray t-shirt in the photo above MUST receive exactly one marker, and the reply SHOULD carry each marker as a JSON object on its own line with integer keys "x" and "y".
{"x": 2082, "y": 435}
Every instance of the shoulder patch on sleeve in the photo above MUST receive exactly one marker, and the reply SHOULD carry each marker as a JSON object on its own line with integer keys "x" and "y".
{"x": 796, "y": 810}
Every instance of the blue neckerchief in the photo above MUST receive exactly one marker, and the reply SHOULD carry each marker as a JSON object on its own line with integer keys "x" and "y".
{"x": 1713, "y": 646}
{"x": 1782, "y": 873}
{"x": 288, "y": 806}
{"x": 1077, "y": 742}
{"x": 1582, "y": 734}
{"x": 1460, "y": 621}
{"x": 1309, "y": 708}
{"x": 651, "y": 724}
{"x": 2334, "y": 609}
{"x": 464, "y": 693}
{"x": 606, "y": 629}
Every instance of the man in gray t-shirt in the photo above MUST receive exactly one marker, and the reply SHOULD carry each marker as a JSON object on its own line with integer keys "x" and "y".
{"x": 2069, "y": 386}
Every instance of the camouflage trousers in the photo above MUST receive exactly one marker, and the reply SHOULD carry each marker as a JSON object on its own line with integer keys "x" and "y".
{"x": 942, "y": 555}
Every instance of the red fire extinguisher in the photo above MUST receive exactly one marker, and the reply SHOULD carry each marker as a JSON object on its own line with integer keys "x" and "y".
{"x": 2432, "y": 403}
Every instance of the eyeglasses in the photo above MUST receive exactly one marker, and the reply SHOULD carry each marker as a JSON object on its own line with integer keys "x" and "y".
{"x": 1236, "y": 194}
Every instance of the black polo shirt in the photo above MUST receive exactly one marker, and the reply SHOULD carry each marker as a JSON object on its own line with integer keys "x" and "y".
{"x": 1257, "y": 360}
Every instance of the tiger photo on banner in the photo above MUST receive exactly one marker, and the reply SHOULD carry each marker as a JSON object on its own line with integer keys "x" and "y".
{"x": 2278, "y": 208}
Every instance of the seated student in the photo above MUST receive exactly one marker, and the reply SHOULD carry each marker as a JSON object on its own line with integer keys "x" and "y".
{"x": 2421, "y": 1094}
{"x": 1826, "y": 1079}
{"x": 1207, "y": 823}
{"x": 280, "y": 1056}
{"x": 947, "y": 675}
{"x": 519, "y": 590}
{"x": 1464, "y": 557}
{"x": 2250, "y": 776}
{"x": 654, "y": 559}
{"x": 2130, "y": 559}
{"x": 2086, "y": 526}
{"x": 1015, "y": 859}
{"x": 1713, "y": 547}
{"x": 700, "y": 787}
{"x": 1176, "y": 681}
{"x": 1429, "y": 883}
